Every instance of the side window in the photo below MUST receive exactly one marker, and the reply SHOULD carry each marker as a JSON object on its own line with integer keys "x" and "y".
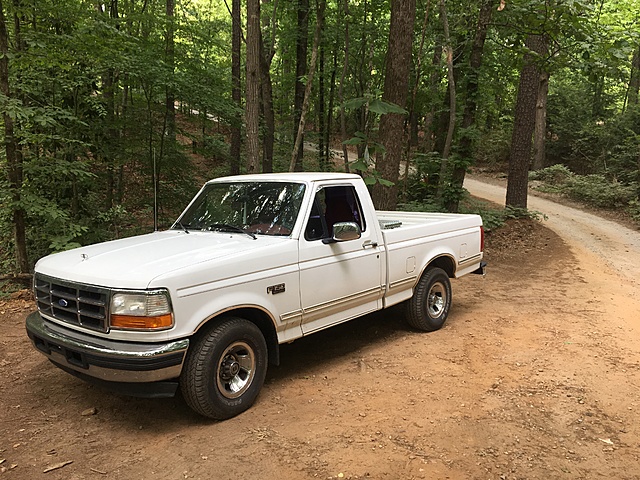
{"x": 332, "y": 205}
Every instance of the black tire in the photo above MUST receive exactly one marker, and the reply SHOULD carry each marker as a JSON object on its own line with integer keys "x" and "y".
{"x": 428, "y": 308}
{"x": 225, "y": 369}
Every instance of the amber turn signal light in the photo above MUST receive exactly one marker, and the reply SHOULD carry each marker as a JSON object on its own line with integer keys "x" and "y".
{"x": 146, "y": 323}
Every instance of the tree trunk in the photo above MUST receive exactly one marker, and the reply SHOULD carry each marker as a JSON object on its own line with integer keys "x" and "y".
{"x": 328, "y": 155}
{"x": 168, "y": 136}
{"x": 434, "y": 83}
{"x": 540, "y": 132}
{"x": 252, "y": 111}
{"x": 634, "y": 81}
{"x": 345, "y": 66}
{"x": 446, "y": 150}
{"x": 597, "y": 80}
{"x": 413, "y": 116}
{"x": 297, "y": 147}
{"x": 13, "y": 156}
{"x": 469, "y": 115}
{"x": 321, "y": 112}
{"x": 396, "y": 83}
{"x": 236, "y": 127}
{"x": 524, "y": 123}
{"x": 302, "y": 41}
{"x": 266, "y": 87}
{"x": 443, "y": 119}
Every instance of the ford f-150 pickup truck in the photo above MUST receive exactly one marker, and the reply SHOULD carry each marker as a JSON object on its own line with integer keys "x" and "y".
{"x": 254, "y": 261}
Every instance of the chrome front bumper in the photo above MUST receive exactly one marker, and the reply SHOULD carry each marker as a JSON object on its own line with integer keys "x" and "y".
{"x": 92, "y": 357}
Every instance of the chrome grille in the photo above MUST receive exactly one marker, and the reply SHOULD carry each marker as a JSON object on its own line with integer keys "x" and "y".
{"x": 76, "y": 304}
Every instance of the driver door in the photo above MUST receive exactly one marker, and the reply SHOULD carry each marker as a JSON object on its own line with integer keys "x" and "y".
{"x": 339, "y": 280}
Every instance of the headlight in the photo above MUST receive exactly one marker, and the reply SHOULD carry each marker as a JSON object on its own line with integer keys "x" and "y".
{"x": 141, "y": 310}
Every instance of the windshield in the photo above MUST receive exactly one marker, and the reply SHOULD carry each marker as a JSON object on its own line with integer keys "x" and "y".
{"x": 267, "y": 208}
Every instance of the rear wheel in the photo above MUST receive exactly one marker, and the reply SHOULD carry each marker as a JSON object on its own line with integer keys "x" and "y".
{"x": 225, "y": 369}
{"x": 428, "y": 308}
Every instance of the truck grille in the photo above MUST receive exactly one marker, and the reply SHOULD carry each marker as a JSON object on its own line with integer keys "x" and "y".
{"x": 76, "y": 304}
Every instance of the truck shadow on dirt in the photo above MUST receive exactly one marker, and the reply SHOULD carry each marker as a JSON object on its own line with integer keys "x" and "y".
{"x": 57, "y": 394}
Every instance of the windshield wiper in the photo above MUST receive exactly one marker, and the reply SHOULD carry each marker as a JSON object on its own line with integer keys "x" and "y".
{"x": 225, "y": 227}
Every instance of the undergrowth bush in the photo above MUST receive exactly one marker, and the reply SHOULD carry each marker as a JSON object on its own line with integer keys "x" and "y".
{"x": 596, "y": 190}
{"x": 557, "y": 175}
{"x": 491, "y": 218}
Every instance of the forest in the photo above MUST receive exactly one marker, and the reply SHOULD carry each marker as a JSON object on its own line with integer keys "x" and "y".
{"x": 115, "y": 112}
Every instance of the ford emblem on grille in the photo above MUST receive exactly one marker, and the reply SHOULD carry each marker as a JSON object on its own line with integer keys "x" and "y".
{"x": 63, "y": 303}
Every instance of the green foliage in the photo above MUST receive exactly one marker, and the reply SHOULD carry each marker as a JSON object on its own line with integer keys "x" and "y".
{"x": 374, "y": 105}
{"x": 370, "y": 175}
{"x": 88, "y": 101}
{"x": 492, "y": 218}
{"x": 553, "y": 179}
{"x": 89, "y": 89}
{"x": 493, "y": 148}
{"x": 596, "y": 190}
{"x": 422, "y": 183}
{"x": 554, "y": 175}
{"x": 634, "y": 210}
{"x": 495, "y": 218}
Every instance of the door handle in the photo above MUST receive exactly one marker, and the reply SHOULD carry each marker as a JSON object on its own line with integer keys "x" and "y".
{"x": 369, "y": 243}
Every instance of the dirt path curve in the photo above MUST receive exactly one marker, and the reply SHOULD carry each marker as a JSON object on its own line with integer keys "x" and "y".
{"x": 616, "y": 245}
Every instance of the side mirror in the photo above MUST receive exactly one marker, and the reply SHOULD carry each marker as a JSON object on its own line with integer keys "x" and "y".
{"x": 343, "y": 232}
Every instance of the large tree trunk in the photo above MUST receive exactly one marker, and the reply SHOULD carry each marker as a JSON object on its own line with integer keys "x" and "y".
{"x": 236, "y": 127}
{"x": 540, "y": 132}
{"x": 252, "y": 111}
{"x": 469, "y": 115}
{"x": 302, "y": 40}
{"x": 396, "y": 83}
{"x": 524, "y": 123}
{"x": 13, "y": 156}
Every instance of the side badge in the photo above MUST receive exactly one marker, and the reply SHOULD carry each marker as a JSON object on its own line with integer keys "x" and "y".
{"x": 275, "y": 289}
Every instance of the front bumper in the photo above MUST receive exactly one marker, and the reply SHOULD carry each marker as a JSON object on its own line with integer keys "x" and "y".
{"x": 117, "y": 364}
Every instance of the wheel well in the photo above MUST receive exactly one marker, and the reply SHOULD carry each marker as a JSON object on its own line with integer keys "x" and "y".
{"x": 262, "y": 320}
{"x": 444, "y": 262}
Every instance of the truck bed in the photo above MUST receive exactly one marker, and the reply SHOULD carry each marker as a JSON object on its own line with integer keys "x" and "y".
{"x": 411, "y": 238}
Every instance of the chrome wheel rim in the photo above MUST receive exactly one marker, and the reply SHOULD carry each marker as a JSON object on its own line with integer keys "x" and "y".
{"x": 236, "y": 369}
{"x": 436, "y": 300}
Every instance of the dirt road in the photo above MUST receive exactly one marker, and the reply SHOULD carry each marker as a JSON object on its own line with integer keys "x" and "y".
{"x": 535, "y": 375}
{"x": 615, "y": 245}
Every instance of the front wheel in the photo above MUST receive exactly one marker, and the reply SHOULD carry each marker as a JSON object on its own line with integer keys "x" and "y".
{"x": 428, "y": 308}
{"x": 225, "y": 369}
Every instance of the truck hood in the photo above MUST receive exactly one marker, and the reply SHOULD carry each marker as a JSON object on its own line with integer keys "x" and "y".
{"x": 136, "y": 261}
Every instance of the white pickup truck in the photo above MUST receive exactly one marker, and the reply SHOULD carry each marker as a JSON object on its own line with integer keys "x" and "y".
{"x": 253, "y": 262}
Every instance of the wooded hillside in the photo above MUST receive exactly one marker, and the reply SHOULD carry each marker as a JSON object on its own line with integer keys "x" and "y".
{"x": 114, "y": 113}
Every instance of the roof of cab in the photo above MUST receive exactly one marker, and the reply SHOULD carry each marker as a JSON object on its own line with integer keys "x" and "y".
{"x": 306, "y": 177}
